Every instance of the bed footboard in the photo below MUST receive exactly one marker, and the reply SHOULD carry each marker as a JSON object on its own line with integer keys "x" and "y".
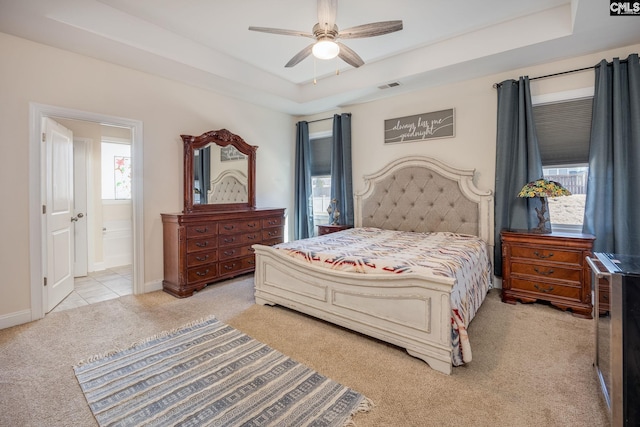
{"x": 406, "y": 310}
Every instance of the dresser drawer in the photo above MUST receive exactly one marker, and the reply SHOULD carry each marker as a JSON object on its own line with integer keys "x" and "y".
{"x": 547, "y": 254}
{"x": 272, "y": 242}
{"x": 202, "y": 230}
{"x": 545, "y": 288}
{"x": 546, "y": 271}
{"x": 235, "y": 252}
{"x": 276, "y": 221}
{"x": 202, "y": 244}
{"x": 234, "y": 227}
{"x": 228, "y": 267}
{"x": 199, "y": 258}
{"x": 205, "y": 272}
{"x": 239, "y": 239}
{"x": 271, "y": 233}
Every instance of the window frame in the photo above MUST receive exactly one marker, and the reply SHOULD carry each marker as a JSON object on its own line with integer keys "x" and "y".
{"x": 313, "y": 136}
{"x": 564, "y": 96}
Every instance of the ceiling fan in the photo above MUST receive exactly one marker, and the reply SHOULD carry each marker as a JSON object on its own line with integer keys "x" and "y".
{"x": 326, "y": 34}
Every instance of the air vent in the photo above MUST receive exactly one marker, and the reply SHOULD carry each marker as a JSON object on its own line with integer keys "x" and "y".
{"x": 388, "y": 85}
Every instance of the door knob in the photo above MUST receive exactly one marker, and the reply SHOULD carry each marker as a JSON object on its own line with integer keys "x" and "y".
{"x": 75, "y": 218}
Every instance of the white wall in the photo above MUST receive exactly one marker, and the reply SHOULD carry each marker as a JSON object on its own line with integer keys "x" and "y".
{"x": 31, "y": 72}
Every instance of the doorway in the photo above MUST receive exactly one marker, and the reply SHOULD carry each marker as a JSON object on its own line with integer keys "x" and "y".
{"x": 37, "y": 197}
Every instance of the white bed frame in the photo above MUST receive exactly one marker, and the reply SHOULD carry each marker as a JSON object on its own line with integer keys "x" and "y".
{"x": 409, "y": 310}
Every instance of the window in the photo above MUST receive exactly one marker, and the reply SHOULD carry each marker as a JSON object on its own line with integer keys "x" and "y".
{"x": 568, "y": 210}
{"x": 321, "y": 177}
{"x": 116, "y": 171}
{"x": 564, "y": 130}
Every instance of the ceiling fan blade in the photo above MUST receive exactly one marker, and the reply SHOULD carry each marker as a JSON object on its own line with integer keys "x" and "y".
{"x": 349, "y": 56}
{"x": 371, "y": 30}
{"x": 327, "y": 10}
{"x": 282, "y": 32}
{"x": 300, "y": 56}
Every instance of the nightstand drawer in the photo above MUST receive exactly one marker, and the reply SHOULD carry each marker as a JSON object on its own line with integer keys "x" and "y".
{"x": 545, "y": 288}
{"x": 547, "y": 254}
{"x": 546, "y": 271}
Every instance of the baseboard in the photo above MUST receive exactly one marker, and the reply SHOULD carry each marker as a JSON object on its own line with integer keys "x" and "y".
{"x": 152, "y": 286}
{"x": 14, "y": 319}
{"x": 497, "y": 282}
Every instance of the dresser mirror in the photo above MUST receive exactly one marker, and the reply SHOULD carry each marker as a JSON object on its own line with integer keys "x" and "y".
{"x": 219, "y": 172}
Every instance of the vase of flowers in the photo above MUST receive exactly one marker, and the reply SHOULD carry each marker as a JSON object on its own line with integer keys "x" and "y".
{"x": 543, "y": 188}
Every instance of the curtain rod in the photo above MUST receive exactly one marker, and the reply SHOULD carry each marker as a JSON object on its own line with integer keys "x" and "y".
{"x": 496, "y": 85}
{"x": 326, "y": 118}
{"x": 320, "y": 120}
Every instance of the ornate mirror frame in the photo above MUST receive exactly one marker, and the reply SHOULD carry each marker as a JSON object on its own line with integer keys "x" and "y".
{"x": 221, "y": 138}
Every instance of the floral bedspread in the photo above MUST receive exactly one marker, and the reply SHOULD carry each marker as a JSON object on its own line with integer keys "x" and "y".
{"x": 373, "y": 250}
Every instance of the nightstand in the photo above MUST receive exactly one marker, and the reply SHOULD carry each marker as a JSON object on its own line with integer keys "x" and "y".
{"x": 328, "y": 229}
{"x": 548, "y": 267}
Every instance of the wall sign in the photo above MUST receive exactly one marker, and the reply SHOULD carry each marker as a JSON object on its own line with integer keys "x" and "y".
{"x": 437, "y": 124}
{"x": 230, "y": 153}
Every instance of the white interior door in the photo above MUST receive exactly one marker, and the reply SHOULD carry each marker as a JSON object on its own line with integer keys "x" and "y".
{"x": 59, "y": 227}
{"x": 80, "y": 195}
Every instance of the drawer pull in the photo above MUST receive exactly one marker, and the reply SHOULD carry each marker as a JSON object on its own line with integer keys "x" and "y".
{"x": 200, "y": 273}
{"x": 202, "y": 244}
{"x": 252, "y": 225}
{"x": 273, "y": 233}
{"x": 202, "y": 258}
{"x": 544, "y": 273}
{"x": 202, "y": 230}
{"x": 543, "y": 256}
{"x": 541, "y": 289}
{"x": 273, "y": 222}
{"x": 230, "y": 240}
{"x": 251, "y": 237}
{"x": 229, "y": 253}
{"x": 229, "y": 227}
{"x": 230, "y": 267}
{"x": 251, "y": 250}
{"x": 252, "y": 262}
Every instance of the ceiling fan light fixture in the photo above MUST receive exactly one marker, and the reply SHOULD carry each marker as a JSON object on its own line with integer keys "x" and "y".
{"x": 325, "y": 49}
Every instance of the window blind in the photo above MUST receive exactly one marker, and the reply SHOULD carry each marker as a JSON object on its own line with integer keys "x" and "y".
{"x": 321, "y": 156}
{"x": 564, "y": 130}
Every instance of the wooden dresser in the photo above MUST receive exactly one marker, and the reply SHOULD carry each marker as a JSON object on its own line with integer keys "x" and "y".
{"x": 548, "y": 267}
{"x": 205, "y": 247}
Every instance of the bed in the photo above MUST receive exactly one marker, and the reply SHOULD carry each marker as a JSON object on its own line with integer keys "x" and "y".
{"x": 411, "y": 308}
{"x": 228, "y": 187}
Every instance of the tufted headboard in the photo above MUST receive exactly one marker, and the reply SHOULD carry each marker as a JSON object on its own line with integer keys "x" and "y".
{"x": 228, "y": 187}
{"x": 423, "y": 194}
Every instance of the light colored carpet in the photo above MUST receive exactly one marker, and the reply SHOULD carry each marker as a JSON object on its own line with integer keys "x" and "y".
{"x": 532, "y": 364}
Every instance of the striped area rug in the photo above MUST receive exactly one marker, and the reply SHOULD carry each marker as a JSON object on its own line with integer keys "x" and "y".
{"x": 208, "y": 373}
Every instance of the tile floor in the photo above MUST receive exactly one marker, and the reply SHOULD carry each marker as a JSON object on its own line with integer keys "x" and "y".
{"x": 99, "y": 286}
